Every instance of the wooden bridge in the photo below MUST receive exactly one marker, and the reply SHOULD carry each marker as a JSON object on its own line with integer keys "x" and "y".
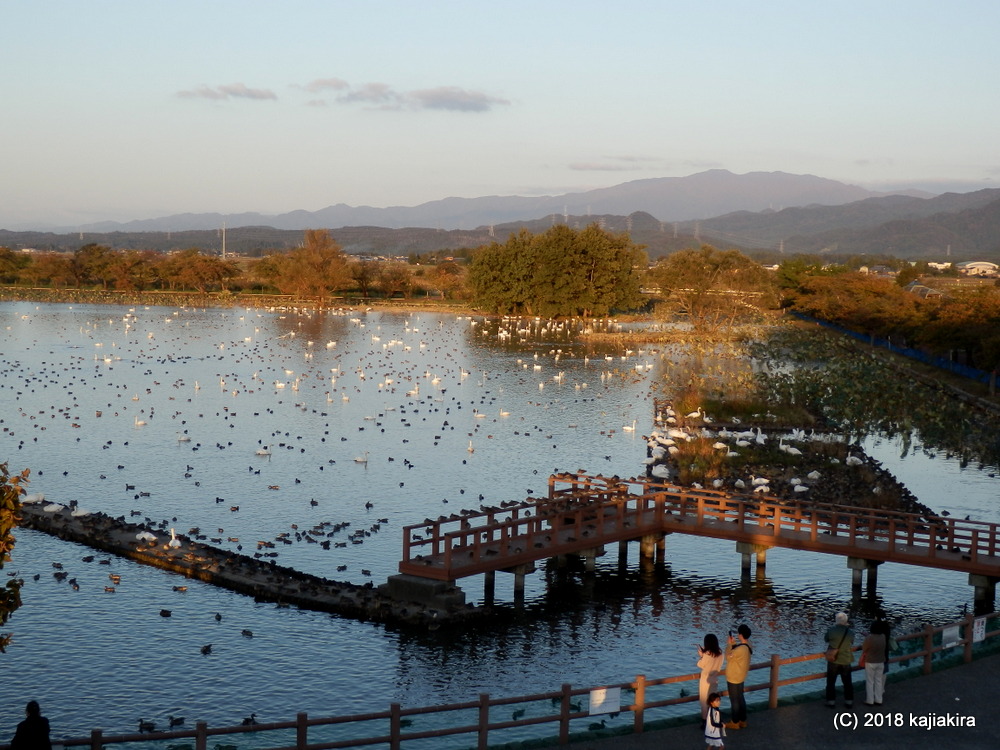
{"x": 583, "y": 513}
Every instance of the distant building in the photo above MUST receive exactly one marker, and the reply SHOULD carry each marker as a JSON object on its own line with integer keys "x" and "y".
{"x": 878, "y": 270}
{"x": 939, "y": 266}
{"x": 977, "y": 268}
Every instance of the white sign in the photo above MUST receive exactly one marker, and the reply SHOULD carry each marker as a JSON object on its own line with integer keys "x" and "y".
{"x": 950, "y": 636}
{"x": 605, "y": 700}
{"x": 979, "y": 629}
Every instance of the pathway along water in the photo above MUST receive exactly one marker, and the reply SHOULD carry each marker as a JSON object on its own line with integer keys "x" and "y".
{"x": 93, "y": 657}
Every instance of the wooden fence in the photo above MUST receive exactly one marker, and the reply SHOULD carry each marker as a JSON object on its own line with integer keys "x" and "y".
{"x": 396, "y": 726}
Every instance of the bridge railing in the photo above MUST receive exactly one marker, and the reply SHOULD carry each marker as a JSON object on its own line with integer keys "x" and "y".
{"x": 601, "y": 509}
{"x": 553, "y": 716}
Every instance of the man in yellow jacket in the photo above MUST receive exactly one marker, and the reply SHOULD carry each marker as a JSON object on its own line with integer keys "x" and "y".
{"x": 738, "y": 653}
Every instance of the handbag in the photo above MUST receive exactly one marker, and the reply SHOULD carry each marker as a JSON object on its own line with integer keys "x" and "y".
{"x": 831, "y": 653}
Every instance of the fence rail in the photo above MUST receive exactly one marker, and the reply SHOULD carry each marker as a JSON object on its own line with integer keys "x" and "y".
{"x": 396, "y": 725}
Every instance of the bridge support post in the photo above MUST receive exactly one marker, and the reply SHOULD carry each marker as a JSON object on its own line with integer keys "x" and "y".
{"x": 858, "y": 566}
{"x": 489, "y": 587}
{"x": 590, "y": 559}
{"x": 984, "y": 598}
{"x": 623, "y": 554}
{"x": 520, "y": 571}
{"x": 648, "y": 545}
{"x": 746, "y": 549}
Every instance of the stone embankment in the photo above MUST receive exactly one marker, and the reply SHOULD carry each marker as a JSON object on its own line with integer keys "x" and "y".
{"x": 263, "y": 580}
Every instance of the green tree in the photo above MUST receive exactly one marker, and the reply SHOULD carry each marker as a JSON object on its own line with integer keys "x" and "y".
{"x": 713, "y": 289}
{"x": 10, "y": 506}
{"x": 559, "y": 272}
{"x": 12, "y": 264}
{"x": 910, "y": 272}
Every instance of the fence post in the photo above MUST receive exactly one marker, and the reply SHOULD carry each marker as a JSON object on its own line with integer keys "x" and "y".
{"x": 772, "y": 693}
{"x": 301, "y": 730}
{"x": 484, "y": 721}
{"x": 928, "y": 648}
{"x": 95, "y": 740}
{"x": 970, "y": 622}
{"x": 564, "y": 715}
{"x": 640, "y": 703}
{"x": 201, "y": 735}
{"x": 394, "y": 726}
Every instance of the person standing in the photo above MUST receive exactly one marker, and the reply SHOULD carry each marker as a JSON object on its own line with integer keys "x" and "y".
{"x": 710, "y": 660}
{"x": 738, "y": 653}
{"x": 715, "y": 730}
{"x": 874, "y": 651}
{"x": 33, "y": 732}
{"x": 840, "y": 639}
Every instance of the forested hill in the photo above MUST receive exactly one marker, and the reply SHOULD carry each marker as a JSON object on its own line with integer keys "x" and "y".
{"x": 872, "y": 225}
{"x": 962, "y": 226}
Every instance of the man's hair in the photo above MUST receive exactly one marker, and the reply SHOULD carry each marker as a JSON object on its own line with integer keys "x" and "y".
{"x": 744, "y": 630}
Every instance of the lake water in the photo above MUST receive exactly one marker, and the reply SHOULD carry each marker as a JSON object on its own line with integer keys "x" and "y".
{"x": 93, "y": 400}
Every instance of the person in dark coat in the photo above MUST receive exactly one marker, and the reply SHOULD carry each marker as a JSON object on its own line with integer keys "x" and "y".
{"x": 33, "y": 732}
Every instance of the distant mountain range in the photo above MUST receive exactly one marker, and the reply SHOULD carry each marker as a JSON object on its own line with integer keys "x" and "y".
{"x": 773, "y": 211}
{"x": 696, "y": 196}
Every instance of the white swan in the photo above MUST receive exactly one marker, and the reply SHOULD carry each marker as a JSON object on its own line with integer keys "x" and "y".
{"x": 361, "y": 459}
{"x": 264, "y": 451}
{"x": 174, "y": 541}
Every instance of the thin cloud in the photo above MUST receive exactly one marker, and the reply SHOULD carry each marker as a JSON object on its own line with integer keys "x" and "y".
{"x": 326, "y": 84}
{"x": 227, "y": 91}
{"x": 380, "y": 94}
{"x": 600, "y": 167}
{"x": 455, "y": 99}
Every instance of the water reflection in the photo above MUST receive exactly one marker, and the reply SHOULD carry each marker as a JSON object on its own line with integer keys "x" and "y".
{"x": 212, "y": 375}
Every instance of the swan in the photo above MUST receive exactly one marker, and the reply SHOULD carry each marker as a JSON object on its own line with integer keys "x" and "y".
{"x": 174, "y": 541}
{"x": 470, "y": 448}
{"x": 182, "y": 438}
{"x": 696, "y": 414}
{"x": 631, "y": 427}
{"x": 264, "y": 451}
{"x": 139, "y": 422}
{"x": 361, "y": 459}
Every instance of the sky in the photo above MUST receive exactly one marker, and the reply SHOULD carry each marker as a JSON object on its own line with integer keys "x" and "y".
{"x": 119, "y": 110}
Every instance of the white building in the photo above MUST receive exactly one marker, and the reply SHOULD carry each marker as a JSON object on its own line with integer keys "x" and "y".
{"x": 977, "y": 268}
